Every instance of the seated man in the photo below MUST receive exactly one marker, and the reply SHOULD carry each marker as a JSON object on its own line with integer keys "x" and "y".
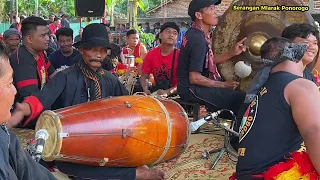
{"x": 198, "y": 78}
{"x": 65, "y": 56}
{"x": 134, "y": 47}
{"x": 115, "y": 54}
{"x": 15, "y": 163}
{"x": 297, "y": 33}
{"x": 282, "y": 115}
{"x": 162, "y": 62}
{"x": 80, "y": 83}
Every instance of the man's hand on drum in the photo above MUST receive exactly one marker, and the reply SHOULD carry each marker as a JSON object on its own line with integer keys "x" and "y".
{"x": 231, "y": 84}
{"x": 163, "y": 93}
{"x": 22, "y": 110}
{"x": 239, "y": 47}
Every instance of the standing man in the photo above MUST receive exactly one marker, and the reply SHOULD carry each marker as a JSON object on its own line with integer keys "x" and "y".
{"x": 32, "y": 69}
{"x": 66, "y": 54}
{"x": 198, "y": 77}
{"x": 78, "y": 37}
{"x": 12, "y": 39}
{"x": 64, "y": 21}
{"x": 85, "y": 81}
{"x": 162, "y": 62}
{"x": 55, "y": 25}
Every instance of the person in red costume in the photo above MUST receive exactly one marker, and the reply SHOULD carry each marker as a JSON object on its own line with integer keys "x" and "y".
{"x": 134, "y": 47}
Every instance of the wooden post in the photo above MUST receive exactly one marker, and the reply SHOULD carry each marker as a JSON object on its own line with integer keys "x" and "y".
{"x": 80, "y": 22}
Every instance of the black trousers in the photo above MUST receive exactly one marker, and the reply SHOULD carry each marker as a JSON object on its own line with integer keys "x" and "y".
{"x": 217, "y": 98}
{"x": 83, "y": 172}
{"x": 86, "y": 172}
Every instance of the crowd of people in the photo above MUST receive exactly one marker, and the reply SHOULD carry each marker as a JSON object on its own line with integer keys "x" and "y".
{"x": 277, "y": 118}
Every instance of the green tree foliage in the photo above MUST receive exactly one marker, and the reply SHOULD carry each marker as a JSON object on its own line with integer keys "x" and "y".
{"x": 47, "y": 7}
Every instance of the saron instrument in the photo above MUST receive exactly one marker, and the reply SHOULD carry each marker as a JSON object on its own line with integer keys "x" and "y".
{"x": 257, "y": 26}
{"x": 125, "y": 131}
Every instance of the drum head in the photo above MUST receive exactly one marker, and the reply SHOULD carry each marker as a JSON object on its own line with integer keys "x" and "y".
{"x": 50, "y": 121}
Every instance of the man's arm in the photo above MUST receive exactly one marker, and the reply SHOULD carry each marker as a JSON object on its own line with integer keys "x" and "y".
{"x": 25, "y": 78}
{"x": 143, "y": 51}
{"x": 33, "y": 105}
{"x": 303, "y": 97}
{"x": 145, "y": 72}
{"x": 144, "y": 82}
{"x": 197, "y": 57}
{"x": 237, "y": 49}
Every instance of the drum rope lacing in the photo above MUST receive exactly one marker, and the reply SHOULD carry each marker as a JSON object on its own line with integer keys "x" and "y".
{"x": 106, "y": 134}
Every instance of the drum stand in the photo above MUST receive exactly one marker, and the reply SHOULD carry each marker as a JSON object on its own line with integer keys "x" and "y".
{"x": 226, "y": 145}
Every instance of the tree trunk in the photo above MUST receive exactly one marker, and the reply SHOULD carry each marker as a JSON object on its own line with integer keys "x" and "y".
{"x": 135, "y": 13}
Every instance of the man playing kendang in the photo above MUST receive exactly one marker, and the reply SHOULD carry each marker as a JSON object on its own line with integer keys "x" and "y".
{"x": 134, "y": 47}
{"x": 159, "y": 62}
{"x": 282, "y": 115}
{"x": 80, "y": 83}
{"x": 198, "y": 78}
{"x": 15, "y": 162}
{"x": 32, "y": 69}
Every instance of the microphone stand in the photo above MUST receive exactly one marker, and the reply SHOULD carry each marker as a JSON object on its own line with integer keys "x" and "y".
{"x": 228, "y": 132}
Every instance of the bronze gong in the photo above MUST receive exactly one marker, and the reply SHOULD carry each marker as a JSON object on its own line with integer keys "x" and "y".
{"x": 257, "y": 26}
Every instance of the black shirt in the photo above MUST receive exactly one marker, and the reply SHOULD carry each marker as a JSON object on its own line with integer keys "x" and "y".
{"x": 307, "y": 74}
{"x": 27, "y": 73}
{"x": 57, "y": 59}
{"x": 16, "y": 163}
{"x": 193, "y": 53}
{"x": 268, "y": 132}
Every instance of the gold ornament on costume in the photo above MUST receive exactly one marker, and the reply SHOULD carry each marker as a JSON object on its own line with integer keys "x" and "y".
{"x": 138, "y": 61}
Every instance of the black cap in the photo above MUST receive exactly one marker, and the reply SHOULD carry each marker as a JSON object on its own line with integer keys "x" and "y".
{"x": 94, "y": 35}
{"x": 196, "y": 5}
{"x": 169, "y": 25}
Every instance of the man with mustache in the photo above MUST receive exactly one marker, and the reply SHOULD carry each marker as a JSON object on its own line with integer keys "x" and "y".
{"x": 83, "y": 82}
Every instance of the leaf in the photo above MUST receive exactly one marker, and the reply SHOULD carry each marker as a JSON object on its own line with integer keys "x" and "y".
{"x": 140, "y": 4}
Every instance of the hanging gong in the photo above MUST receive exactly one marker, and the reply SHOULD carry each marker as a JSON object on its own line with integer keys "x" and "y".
{"x": 257, "y": 26}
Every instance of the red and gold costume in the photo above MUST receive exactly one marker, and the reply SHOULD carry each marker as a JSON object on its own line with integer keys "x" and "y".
{"x": 298, "y": 167}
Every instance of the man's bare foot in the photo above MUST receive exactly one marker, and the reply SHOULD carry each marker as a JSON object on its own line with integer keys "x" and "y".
{"x": 144, "y": 173}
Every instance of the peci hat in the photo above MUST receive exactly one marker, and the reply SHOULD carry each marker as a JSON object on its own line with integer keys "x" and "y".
{"x": 169, "y": 25}
{"x": 196, "y": 5}
{"x": 11, "y": 31}
{"x": 94, "y": 35}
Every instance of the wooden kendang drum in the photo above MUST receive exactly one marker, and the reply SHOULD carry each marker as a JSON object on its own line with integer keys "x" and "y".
{"x": 257, "y": 26}
{"x": 126, "y": 131}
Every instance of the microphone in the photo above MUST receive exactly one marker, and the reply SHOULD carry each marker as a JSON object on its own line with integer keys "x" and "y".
{"x": 41, "y": 137}
{"x": 195, "y": 125}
